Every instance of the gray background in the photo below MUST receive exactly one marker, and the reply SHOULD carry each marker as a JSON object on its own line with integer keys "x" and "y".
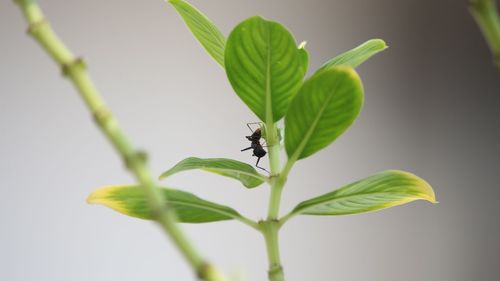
{"x": 431, "y": 107}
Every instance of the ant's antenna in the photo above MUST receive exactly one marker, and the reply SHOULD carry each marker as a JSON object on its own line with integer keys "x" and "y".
{"x": 253, "y": 123}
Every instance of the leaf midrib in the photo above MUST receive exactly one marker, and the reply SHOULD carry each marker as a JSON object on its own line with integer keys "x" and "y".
{"x": 255, "y": 176}
{"x": 269, "y": 109}
{"x": 302, "y": 144}
{"x": 204, "y": 207}
{"x": 208, "y": 169}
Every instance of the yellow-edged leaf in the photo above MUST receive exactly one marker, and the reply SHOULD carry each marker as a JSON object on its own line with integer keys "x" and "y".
{"x": 130, "y": 200}
{"x": 380, "y": 191}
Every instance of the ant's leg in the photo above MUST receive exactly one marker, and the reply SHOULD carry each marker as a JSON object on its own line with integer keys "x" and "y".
{"x": 265, "y": 144}
{"x": 248, "y": 125}
{"x": 257, "y": 165}
{"x": 247, "y": 148}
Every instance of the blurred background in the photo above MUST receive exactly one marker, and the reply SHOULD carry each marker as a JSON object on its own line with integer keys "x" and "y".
{"x": 432, "y": 108}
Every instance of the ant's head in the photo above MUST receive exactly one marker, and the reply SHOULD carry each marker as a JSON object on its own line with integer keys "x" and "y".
{"x": 257, "y": 134}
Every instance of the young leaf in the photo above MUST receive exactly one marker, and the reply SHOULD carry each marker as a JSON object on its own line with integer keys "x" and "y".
{"x": 324, "y": 108}
{"x": 264, "y": 67}
{"x": 203, "y": 29}
{"x": 356, "y": 56}
{"x": 243, "y": 172}
{"x": 380, "y": 191}
{"x": 304, "y": 56}
{"x": 131, "y": 201}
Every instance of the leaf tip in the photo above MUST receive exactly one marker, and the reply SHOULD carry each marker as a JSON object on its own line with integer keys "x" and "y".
{"x": 302, "y": 45}
{"x": 425, "y": 190}
{"x": 428, "y": 192}
{"x": 102, "y": 196}
{"x": 378, "y": 44}
{"x": 99, "y": 194}
{"x": 163, "y": 176}
{"x": 93, "y": 197}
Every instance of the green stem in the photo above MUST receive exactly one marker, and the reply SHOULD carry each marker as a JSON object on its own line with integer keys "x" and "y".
{"x": 75, "y": 70}
{"x": 275, "y": 200}
{"x": 270, "y": 226}
{"x": 486, "y": 15}
{"x": 276, "y": 181}
{"x": 270, "y": 230}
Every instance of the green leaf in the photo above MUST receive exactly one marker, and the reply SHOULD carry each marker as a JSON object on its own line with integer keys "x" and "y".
{"x": 203, "y": 29}
{"x": 131, "y": 201}
{"x": 304, "y": 56}
{"x": 243, "y": 172}
{"x": 264, "y": 67}
{"x": 356, "y": 56}
{"x": 380, "y": 191}
{"x": 324, "y": 108}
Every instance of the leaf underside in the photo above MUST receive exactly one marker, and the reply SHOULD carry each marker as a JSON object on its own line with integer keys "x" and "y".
{"x": 243, "y": 172}
{"x": 131, "y": 201}
{"x": 203, "y": 29}
{"x": 356, "y": 56}
{"x": 379, "y": 191}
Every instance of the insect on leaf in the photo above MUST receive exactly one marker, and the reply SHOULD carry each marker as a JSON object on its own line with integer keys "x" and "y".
{"x": 379, "y": 191}
{"x": 203, "y": 29}
{"x": 130, "y": 200}
{"x": 264, "y": 67}
{"x": 356, "y": 56}
{"x": 243, "y": 172}
{"x": 326, "y": 105}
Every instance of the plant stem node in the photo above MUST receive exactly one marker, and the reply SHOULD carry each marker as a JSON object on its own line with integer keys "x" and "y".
{"x": 203, "y": 271}
{"x": 35, "y": 27}
{"x": 131, "y": 160}
{"x": 102, "y": 115}
{"x": 73, "y": 66}
{"x": 275, "y": 269}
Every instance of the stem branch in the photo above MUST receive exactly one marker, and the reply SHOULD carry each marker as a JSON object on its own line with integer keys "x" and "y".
{"x": 74, "y": 69}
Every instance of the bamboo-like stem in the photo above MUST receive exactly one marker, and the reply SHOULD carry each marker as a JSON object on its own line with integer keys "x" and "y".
{"x": 74, "y": 69}
{"x": 485, "y": 13}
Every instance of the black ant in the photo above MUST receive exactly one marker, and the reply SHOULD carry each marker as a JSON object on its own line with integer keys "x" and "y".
{"x": 258, "y": 150}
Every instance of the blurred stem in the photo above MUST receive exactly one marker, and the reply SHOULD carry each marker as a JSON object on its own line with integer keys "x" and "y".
{"x": 485, "y": 13}
{"x": 135, "y": 161}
